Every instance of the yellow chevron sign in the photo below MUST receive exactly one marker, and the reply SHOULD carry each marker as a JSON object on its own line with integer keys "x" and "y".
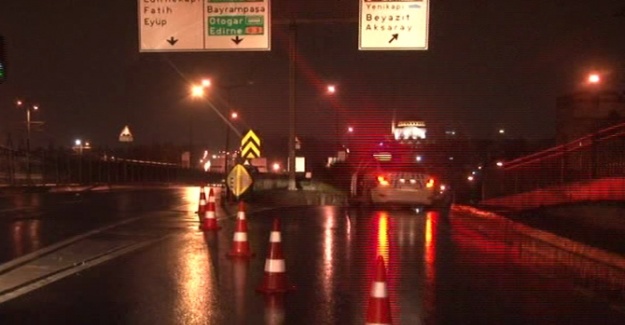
{"x": 250, "y": 145}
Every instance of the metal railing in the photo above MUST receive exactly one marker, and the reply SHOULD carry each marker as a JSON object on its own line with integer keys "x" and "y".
{"x": 62, "y": 168}
{"x": 597, "y": 155}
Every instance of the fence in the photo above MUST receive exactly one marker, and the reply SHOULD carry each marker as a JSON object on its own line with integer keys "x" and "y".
{"x": 598, "y": 155}
{"x": 62, "y": 167}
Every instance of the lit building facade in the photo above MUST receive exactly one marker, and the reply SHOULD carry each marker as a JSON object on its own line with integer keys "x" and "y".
{"x": 409, "y": 131}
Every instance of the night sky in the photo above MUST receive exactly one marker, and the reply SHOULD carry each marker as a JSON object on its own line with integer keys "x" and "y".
{"x": 490, "y": 65}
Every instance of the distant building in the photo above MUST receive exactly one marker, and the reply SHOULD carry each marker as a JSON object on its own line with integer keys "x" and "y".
{"x": 582, "y": 113}
{"x": 409, "y": 131}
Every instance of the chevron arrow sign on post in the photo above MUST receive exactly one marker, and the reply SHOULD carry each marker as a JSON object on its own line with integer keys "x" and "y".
{"x": 250, "y": 145}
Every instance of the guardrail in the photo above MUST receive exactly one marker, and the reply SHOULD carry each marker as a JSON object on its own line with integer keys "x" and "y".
{"x": 16, "y": 169}
{"x": 597, "y": 155}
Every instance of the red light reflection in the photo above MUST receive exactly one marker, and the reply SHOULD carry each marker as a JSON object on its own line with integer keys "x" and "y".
{"x": 429, "y": 294}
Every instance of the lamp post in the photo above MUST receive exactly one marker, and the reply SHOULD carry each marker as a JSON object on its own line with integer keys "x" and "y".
{"x": 198, "y": 91}
{"x": 331, "y": 90}
{"x": 594, "y": 80}
{"x": 29, "y": 109}
{"x": 350, "y": 132}
{"x": 233, "y": 116}
{"x": 79, "y": 147}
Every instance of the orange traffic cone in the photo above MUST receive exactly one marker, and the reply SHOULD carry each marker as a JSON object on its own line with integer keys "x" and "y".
{"x": 210, "y": 221}
{"x": 275, "y": 269}
{"x": 379, "y": 309}
{"x": 240, "y": 245}
{"x": 202, "y": 205}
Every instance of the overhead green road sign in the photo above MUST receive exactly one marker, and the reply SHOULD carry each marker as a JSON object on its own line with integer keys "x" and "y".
{"x": 204, "y": 25}
{"x": 235, "y": 25}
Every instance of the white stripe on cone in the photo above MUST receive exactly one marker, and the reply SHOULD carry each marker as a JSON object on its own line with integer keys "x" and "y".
{"x": 378, "y": 290}
{"x": 240, "y": 236}
{"x": 274, "y": 266}
{"x": 275, "y": 237}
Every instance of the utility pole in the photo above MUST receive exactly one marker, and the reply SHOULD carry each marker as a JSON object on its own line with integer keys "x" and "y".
{"x": 292, "y": 23}
{"x": 292, "y": 96}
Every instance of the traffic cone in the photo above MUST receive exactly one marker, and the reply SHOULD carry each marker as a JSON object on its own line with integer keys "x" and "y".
{"x": 275, "y": 269}
{"x": 202, "y": 205}
{"x": 240, "y": 245}
{"x": 210, "y": 221}
{"x": 379, "y": 309}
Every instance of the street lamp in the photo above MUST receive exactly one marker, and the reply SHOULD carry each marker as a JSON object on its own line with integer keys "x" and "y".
{"x": 233, "y": 116}
{"x": 198, "y": 91}
{"x": 331, "y": 90}
{"x": 594, "y": 78}
{"x": 29, "y": 109}
{"x": 348, "y": 142}
{"x": 79, "y": 146}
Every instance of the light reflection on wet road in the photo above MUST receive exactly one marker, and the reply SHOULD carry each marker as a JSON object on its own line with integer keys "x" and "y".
{"x": 440, "y": 270}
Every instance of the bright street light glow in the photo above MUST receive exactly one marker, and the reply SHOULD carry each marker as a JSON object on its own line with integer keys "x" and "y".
{"x": 197, "y": 91}
{"x": 331, "y": 89}
{"x": 206, "y": 83}
{"x": 77, "y": 142}
{"x": 594, "y": 78}
{"x": 234, "y": 115}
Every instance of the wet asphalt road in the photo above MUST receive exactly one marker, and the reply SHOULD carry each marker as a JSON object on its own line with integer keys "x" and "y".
{"x": 441, "y": 268}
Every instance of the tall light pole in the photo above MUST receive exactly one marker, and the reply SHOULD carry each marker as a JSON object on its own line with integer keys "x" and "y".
{"x": 29, "y": 109}
{"x": 331, "y": 90}
{"x": 199, "y": 91}
{"x": 292, "y": 186}
{"x": 292, "y": 25}
{"x": 233, "y": 116}
{"x": 79, "y": 147}
{"x": 594, "y": 80}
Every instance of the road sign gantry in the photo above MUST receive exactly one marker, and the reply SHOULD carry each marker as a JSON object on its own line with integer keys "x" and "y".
{"x": 245, "y": 25}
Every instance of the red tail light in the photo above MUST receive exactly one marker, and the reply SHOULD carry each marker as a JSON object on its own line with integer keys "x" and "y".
{"x": 430, "y": 183}
{"x": 382, "y": 180}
